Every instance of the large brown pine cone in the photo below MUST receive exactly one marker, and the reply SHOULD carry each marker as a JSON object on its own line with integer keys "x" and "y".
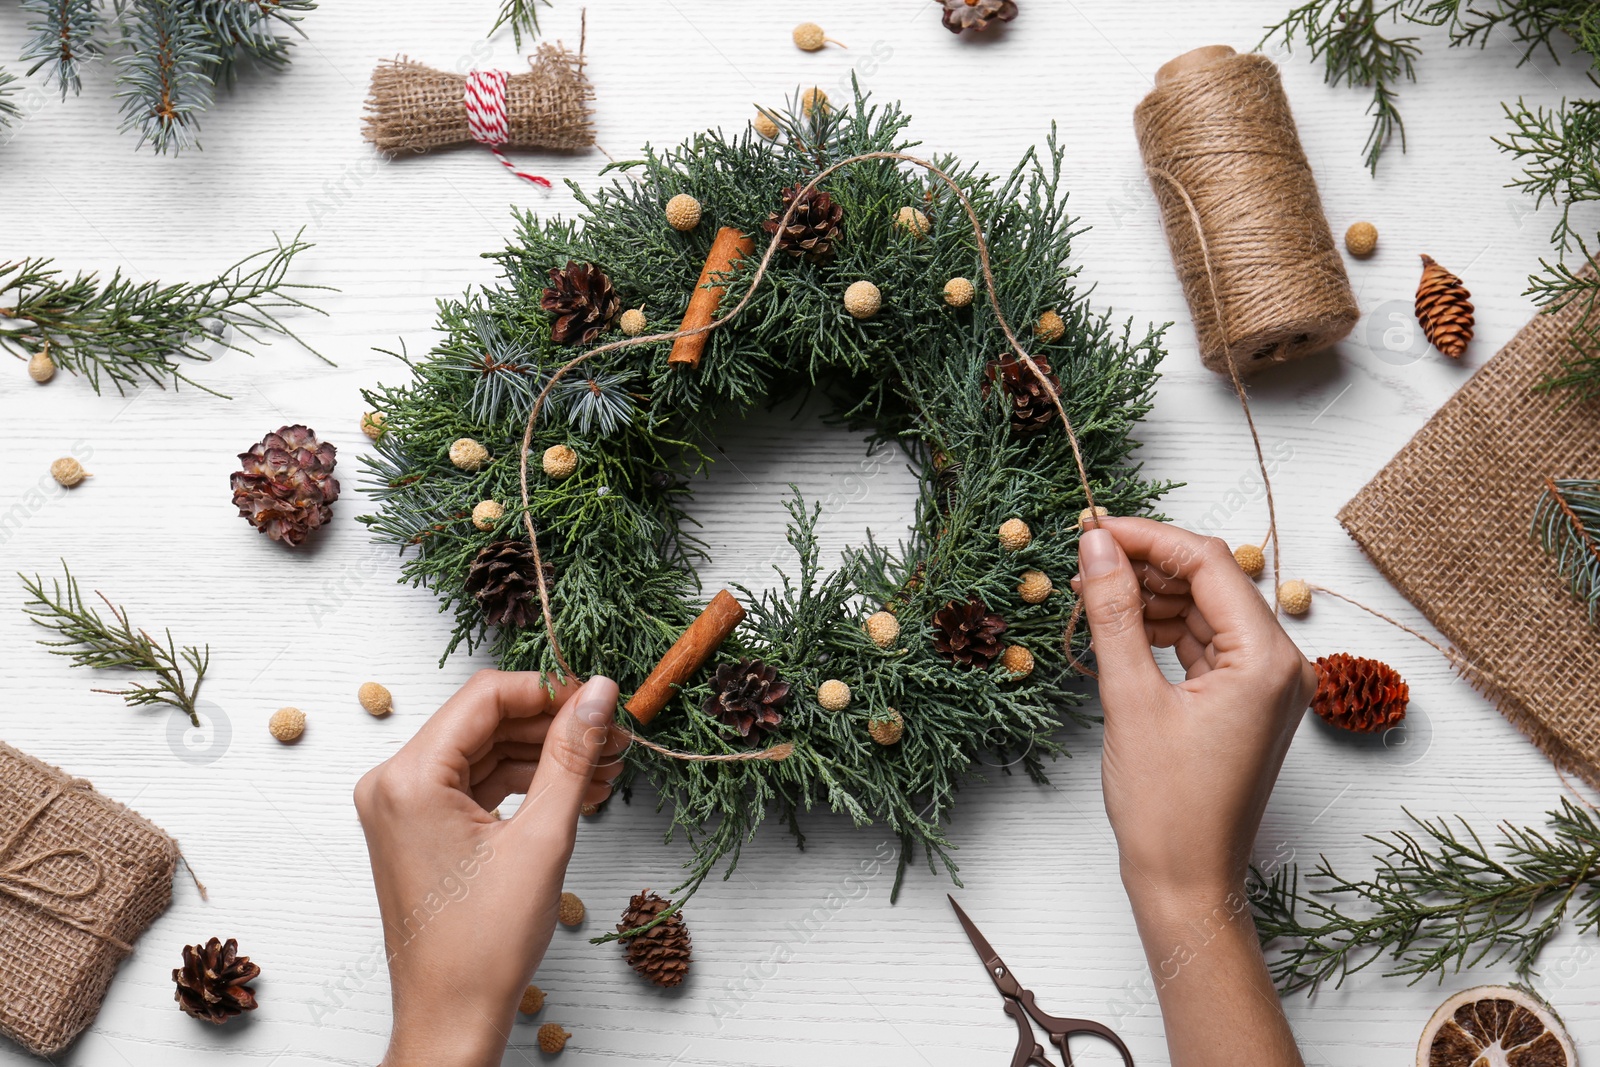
{"x": 977, "y": 14}
{"x": 213, "y": 983}
{"x": 583, "y": 301}
{"x": 1443, "y": 309}
{"x": 286, "y": 488}
{"x": 1032, "y": 410}
{"x": 1362, "y": 695}
{"x": 501, "y": 577}
{"x": 748, "y": 696}
{"x": 812, "y": 229}
{"x": 661, "y": 954}
{"x": 968, "y": 634}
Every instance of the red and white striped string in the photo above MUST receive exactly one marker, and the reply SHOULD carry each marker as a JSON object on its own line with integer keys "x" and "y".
{"x": 485, "y": 100}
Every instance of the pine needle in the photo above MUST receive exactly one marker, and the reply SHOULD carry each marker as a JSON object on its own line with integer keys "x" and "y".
{"x": 522, "y": 16}
{"x": 1567, "y": 523}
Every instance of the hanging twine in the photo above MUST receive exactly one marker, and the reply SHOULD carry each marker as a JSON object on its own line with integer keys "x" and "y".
{"x": 783, "y": 751}
{"x": 26, "y": 879}
{"x": 485, "y": 100}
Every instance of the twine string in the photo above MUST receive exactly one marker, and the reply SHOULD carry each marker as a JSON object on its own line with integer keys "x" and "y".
{"x": 22, "y": 879}
{"x": 779, "y": 752}
{"x": 484, "y": 97}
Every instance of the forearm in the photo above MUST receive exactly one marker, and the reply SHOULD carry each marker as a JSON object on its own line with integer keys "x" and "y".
{"x": 1217, "y": 1000}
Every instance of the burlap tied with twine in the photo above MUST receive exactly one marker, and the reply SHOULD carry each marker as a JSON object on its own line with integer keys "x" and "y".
{"x": 1448, "y": 521}
{"x": 81, "y": 877}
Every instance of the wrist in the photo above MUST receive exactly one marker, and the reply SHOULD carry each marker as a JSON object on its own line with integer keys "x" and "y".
{"x": 446, "y": 1042}
{"x": 1173, "y": 907}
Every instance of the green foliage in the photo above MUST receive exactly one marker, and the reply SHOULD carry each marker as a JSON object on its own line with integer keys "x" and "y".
{"x": 91, "y": 641}
{"x": 128, "y": 332}
{"x": 66, "y": 37}
{"x": 1567, "y": 523}
{"x": 915, "y": 375}
{"x": 1439, "y": 901}
{"x": 8, "y": 107}
{"x": 522, "y": 16}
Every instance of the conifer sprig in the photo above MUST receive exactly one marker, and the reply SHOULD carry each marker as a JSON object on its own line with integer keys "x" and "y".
{"x": 92, "y": 641}
{"x": 1567, "y": 523}
{"x": 66, "y": 37}
{"x": 126, "y": 333}
{"x": 522, "y": 16}
{"x": 8, "y": 107}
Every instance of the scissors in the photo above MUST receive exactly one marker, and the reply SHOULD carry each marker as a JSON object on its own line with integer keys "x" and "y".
{"x": 1021, "y": 1007}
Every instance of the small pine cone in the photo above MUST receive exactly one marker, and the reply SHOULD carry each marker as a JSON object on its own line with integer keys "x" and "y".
{"x": 532, "y": 1001}
{"x": 962, "y": 15}
{"x": 286, "y": 487}
{"x": 748, "y": 696}
{"x": 967, "y": 634}
{"x": 1032, "y": 409}
{"x": 1357, "y": 694}
{"x": 663, "y": 953}
{"x": 552, "y": 1039}
{"x": 502, "y": 579}
{"x": 214, "y": 981}
{"x": 571, "y": 910}
{"x": 883, "y": 628}
{"x": 1443, "y": 309}
{"x": 583, "y": 301}
{"x": 887, "y": 727}
{"x": 812, "y": 228}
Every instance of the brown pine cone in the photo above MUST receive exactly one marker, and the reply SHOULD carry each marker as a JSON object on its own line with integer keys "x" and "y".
{"x": 286, "y": 488}
{"x": 1032, "y": 410}
{"x": 748, "y": 696}
{"x": 812, "y": 229}
{"x": 968, "y": 634}
{"x": 501, "y": 577}
{"x": 583, "y": 301}
{"x": 661, "y": 954}
{"x": 977, "y": 14}
{"x": 213, "y": 983}
{"x": 1443, "y": 309}
{"x": 1357, "y": 694}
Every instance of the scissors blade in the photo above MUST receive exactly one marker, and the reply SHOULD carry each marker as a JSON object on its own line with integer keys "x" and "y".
{"x": 999, "y": 973}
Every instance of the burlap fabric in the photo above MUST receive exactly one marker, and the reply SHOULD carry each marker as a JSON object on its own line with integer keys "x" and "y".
{"x": 1448, "y": 521}
{"x": 81, "y": 877}
{"x": 413, "y": 108}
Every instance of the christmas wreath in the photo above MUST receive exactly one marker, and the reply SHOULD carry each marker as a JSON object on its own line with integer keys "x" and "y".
{"x": 884, "y": 681}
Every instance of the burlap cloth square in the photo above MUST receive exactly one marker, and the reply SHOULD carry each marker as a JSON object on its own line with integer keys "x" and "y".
{"x": 1449, "y": 522}
{"x": 81, "y": 877}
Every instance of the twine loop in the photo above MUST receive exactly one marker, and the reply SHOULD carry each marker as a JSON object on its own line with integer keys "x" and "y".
{"x": 484, "y": 97}
{"x": 28, "y": 880}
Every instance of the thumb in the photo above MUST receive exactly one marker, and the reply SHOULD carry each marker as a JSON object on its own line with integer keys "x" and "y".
{"x": 1115, "y": 611}
{"x": 572, "y": 749}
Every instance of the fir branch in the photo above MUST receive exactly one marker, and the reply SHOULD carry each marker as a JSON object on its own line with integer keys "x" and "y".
{"x": 66, "y": 36}
{"x": 247, "y": 30}
{"x": 522, "y": 16}
{"x": 1439, "y": 901}
{"x": 165, "y": 72}
{"x": 91, "y": 641}
{"x": 1566, "y": 522}
{"x": 128, "y": 332}
{"x": 8, "y": 107}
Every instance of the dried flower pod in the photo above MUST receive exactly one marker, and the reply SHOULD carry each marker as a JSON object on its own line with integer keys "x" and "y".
{"x": 68, "y": 471}
{"x": 485, "y": 513}
{"x": 467, "y": 454}
{"x": 912, "y": 221}
{"x": 886, "y": 727}
{"x": 683, "y": 213}
{"x": 1294, "y": 597}
{"x": 959, "y": 292}
{"x": 883, "y": 628}
{"x": 375, "y": 698}
{"x": 570, "y": 911}
{"x": 372, "y": 424}
{"x": 1015, "y": 535}
{"x": 833, "y": 695}
{"x": 552, "y": 1039}
{"x": 1251, "y": 559}
{"x": 633, "y": 322}
{"x": 1035, "y": 587}
{"x": 862, "y": 299}
{"x": 41, "y": 368}
{"x": 1361, "y": 239}
{"x": 765, "y": 126}
{"x": 1017, "y": 661}
{"x": 287, "y": 724}
{"x": 559, "y": 462}
{"x": 532, "y": 1001}
{"x": 1050, "y": 328}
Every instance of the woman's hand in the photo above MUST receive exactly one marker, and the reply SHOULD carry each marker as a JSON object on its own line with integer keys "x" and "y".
{"x": 468, "y": 901}
{"x": 1188, "y": 767}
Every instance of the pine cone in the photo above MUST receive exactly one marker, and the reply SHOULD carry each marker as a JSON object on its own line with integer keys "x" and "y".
{"x": 286, "y": 488}
{"x": 213, "y": 983}
{"x": 1444, "y": 309}
{"x": 1032, "y": 410}
{"x": 1361, "y": 695}
{"x": 501, "y": 577}
{"x": 967, "y": 634}
{"x": 813, "y": 228}
{"x": 977, "y": 14}
{"x": 583, "y": 301}
{"x": 661, "y": 954}
{"x": 748, "y": 696}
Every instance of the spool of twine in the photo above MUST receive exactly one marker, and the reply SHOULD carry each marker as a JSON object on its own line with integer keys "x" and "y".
{"x": 1260, "y": 270}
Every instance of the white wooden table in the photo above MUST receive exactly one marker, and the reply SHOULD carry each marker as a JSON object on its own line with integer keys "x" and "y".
{"x": 790, "y": 967}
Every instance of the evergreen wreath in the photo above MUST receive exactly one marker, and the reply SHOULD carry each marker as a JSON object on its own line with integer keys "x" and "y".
{"x": 623, "y": 433}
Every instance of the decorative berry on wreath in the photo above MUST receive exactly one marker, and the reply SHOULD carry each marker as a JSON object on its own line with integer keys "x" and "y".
{"x": 938, "y": 628}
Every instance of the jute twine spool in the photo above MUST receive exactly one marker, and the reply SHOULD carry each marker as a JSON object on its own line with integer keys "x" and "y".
{"x": 1260, "y": 271}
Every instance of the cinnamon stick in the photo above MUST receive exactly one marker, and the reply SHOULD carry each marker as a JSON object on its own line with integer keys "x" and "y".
{"x": 689, "y": 653}
{"x": 729, "y": 247}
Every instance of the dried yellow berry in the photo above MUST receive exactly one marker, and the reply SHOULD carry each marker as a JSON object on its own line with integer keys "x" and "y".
{"x": 485, "y": 513}
{"x": 372, "y": 424}
{"x": 1035, "y": 587}
{"x": 571, "y": 910}
{"x": 1017, "y": 661}
{"x": 683, "y": 212}
{"x": 532, "y": 1001}
{"x": 468, "y": 454}
{"x": 862, "y": 299}
{"x": 41, "y": 368}
{"x": 765, "y": 125}
{"x": 1015, "y": 535}
{"x": 589, "y": 809}
{"x": 560, "y": 461}
{"x": 68, "y": 471}
{"x": 1097, "y": 512}
{"x": 912, "y": 221}
{"x": 287, "y": 724}
{"x": 883, "y": 628}
{"x": 552, "y": 1039}
{"x": 958, "y": 292}
{"x": 375, "y": 698}
{"x": 1050, "y": 328}
{"x": 809, "y": 37}
{"x": 1251, "y": 559}
{"x": 633, "y": 322}
{"x": 812, "y": 99}
{"x": 833, "y": 695}
{"x": 1294, "y": 597}
{"x": 1361, "y": 239}
{"x": 886, "y": 727}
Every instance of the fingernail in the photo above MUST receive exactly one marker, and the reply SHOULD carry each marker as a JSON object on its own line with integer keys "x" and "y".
{"x": 1097, "y": 553}
{"x": 597, "y": 702}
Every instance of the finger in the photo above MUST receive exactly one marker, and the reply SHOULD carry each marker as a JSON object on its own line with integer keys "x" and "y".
{"x": 579, "y": 735}
{"x": 1158, "y": 606}
{"x": 1195, "y": 620}
{"x": 1216, "y": 583}
{"x": 1195, "y": 657}
{"x": 1116, "y": 620}
{"x": 529, "y": 731}
{"x": 507, "y": 778}
{"x": 1151, "y": 578}
{"x": 468, "y": 720}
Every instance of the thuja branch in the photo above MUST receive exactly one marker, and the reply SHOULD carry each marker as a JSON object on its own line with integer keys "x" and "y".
{"x": 1567, "y": 523}
{"x": 1440, "y": 900}
{"x": 92, "y": 641}
{"x": 128, "y": 332}
{"x": 522, "y": 16}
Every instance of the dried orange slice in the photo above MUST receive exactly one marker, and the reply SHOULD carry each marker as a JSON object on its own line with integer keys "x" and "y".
{"x": 1495, "y": 1026}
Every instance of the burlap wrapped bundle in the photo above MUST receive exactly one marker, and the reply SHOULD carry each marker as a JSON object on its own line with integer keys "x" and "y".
{"x": 81, "y": 877}
{"x": 1448, "y": 521}
{"x": 413, "y": 108}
